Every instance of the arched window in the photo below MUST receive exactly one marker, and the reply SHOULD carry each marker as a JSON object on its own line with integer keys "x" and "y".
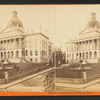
{"x": 17, "y": 54}
{"x": 95, "y": 42}
{"x": 23, "y": 53}
{"x": 83, "y": 55}
{"x": 4, "y": 55}
{"x": 1, "y": 54}
{"x": 31, "y": 59}
{"x": 72, "y": 55}
{"x": 8, "y": 54}
{"x": 17, "y": 42}
{"x": 86, "y": 55}
{"x": 90, "y": 55}
{"x": 12, "y": 54}
{"x": 31, "y": 53}
{"x": 76, "y": 55}
{"x": 95, "y": 54}
{"x": 26, "y": 52}
{"x": 80, "y": 55}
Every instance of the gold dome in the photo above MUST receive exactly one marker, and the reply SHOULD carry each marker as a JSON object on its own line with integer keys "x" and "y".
{"x": 15, "y": 22}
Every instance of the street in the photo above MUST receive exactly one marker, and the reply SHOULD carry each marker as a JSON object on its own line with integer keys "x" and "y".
{"x": 93, "y": 86}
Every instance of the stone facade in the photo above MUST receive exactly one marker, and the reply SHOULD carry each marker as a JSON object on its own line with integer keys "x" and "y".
{"x": 15, "y": 43}
{"x": 87, "y": 45}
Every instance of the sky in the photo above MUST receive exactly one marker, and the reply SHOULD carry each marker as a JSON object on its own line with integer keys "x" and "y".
{"x": 59, "y": 22}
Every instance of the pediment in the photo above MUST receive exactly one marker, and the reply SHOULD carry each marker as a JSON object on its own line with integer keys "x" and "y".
{"x": 87, "y": 30}
{"x": 10, "y": 32}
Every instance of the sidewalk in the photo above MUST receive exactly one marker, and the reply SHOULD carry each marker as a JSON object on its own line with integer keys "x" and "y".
{"x": 5, "y": 86}
{"x": 78, "y": 86}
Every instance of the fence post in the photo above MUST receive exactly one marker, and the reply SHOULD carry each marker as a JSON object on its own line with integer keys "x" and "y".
{"x": 6, "y": 76}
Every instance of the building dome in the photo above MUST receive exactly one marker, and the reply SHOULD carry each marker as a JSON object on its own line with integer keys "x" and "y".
{"x": 92, "y": 23}
{"x": 15, "y": 22}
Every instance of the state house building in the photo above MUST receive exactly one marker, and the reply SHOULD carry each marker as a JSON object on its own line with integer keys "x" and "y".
{"x": 87, "y": 45}
{"x": 15, "y": 43}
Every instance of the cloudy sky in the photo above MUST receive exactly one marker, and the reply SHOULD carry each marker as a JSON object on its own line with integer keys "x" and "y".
{"x": 59, "y": 22}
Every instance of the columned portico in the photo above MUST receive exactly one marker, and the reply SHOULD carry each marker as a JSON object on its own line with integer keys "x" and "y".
{"x": 11, "y": 48}
{"x": 87, "y": 49}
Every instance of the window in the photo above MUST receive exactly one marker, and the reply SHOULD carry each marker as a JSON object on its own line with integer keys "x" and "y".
{"x": 23, "y": 54}
{"x": 1, "y": 54}
{"x": 4, "y": 55}
{"x": 12, "y": 54}
{"x": 30, "y": 43}
{"x": 31, "y": 53}
{"x": 31, "y": 60}
{"x": 8, "y": 54}
{"x": 36, "y": 52}
{"x": 36, "y": 59}
{"x": 46, "y": 45}
{"x": 43, "y": 53}
{"x": 83, "y": 55}
{"x": 36, "y": 42}
{"x": 86, "y": 55}
{"x": 26, "y": 52}
{"x": 17, "y": 54}
{"x": 95, "y": 54}
{"x": 90, "y": 55}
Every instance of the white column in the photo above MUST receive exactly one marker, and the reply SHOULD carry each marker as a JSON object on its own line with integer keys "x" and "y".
{"x": 87, "y": 44}
{"x": 98, "y": 44}
{"x": 20, "y": 42}
{"x": 83, "y": 45}
{"x": 15, "y": 43}
{"x": 14, "y": 53}
{"x": 93, "y": 44}
{"x": 78, "y": 46}
{"x": 10, "y": 44}
{"x": 5, "y": 45}
{"x": 90, "y": 42}
{"x": 20, "y": 53}
{"x": 0, "y": 45}
{"x": 98, "y": 54}
{"x": 75, "y": 46}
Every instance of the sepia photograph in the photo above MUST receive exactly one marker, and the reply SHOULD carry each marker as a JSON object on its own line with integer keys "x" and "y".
{"x": 50, "y": 48}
